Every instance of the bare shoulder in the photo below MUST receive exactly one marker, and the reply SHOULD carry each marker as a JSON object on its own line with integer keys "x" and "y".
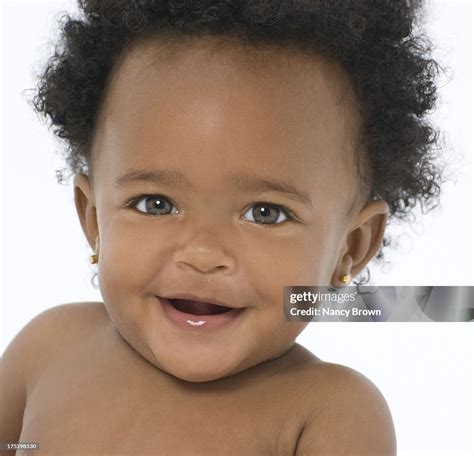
{"x": 347, "y": 414}
{"x": 31, "y": 349}
{"x": 51, "y": 331}
{"x": 66, "y": 317}
{"x": 61, "y": 322}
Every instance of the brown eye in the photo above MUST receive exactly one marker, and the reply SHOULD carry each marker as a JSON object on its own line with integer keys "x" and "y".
{"x": 154, "y": 205}
{"x": 267, "y": 214}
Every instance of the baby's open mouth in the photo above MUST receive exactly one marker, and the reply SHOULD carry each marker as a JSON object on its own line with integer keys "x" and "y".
{"x": 197, "y": 307}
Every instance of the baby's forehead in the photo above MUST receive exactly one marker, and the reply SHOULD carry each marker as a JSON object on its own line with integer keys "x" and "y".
{"x": 257, "y": 99}
{"x": 294, "y": 69}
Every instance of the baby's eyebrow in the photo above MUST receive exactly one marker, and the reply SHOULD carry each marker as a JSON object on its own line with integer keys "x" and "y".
{"x": 251, "y": 183}
{"x": 246, "y": 182}
{"x": 156, "y": 176}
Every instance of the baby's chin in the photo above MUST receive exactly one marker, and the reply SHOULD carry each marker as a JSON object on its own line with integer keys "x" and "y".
{"x": 199, "y": 369}
{"x": 199, "y": 366}
{"x": 216, "y": 366}
{"x": 200, "y": 375}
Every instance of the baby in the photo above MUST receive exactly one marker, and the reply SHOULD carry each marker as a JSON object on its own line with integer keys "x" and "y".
{"x": 220, "y": 151}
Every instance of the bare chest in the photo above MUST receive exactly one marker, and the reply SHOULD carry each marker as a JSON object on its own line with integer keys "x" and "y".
{"x": 89, "y": 403}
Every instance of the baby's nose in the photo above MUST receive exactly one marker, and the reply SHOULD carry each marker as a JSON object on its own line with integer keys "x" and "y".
{"x": 205, "y": 253}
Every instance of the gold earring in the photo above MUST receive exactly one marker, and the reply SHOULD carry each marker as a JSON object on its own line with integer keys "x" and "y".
{"x": 94, "y": 259}
{"x": 346, "y": 278}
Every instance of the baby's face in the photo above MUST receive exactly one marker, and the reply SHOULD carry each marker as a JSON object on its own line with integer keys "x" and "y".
{"x": 247, "y": 186}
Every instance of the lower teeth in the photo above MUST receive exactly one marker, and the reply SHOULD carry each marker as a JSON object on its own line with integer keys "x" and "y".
{"x": 195, "y": 323}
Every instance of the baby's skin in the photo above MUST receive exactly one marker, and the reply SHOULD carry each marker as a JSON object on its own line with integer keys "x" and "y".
{"x": 222, "y": 173}
{"x": 76, "y": 387}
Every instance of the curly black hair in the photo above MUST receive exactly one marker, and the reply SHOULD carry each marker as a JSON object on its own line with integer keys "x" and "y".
{"x": 375, "y": 41}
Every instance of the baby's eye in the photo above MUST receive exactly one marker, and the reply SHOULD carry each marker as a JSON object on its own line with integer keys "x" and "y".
{"x": 153, "y": 205}
{"x": 268, "y": 214}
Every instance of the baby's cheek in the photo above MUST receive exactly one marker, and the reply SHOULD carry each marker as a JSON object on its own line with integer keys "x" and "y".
{"x": 128, "y": 255}
{"x": 120, "y": 273}
{"x": 296, "y": 261}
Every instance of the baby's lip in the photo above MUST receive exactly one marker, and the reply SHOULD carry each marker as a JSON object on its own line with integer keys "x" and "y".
{"x": 195, "y": 297}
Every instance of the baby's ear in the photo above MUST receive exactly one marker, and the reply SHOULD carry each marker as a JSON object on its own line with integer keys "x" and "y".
{"x": 86, "y": 209}
{"x": 364, "y": 239}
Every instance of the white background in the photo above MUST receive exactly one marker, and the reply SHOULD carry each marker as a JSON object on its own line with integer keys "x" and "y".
{"x": 425, "y": 370}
